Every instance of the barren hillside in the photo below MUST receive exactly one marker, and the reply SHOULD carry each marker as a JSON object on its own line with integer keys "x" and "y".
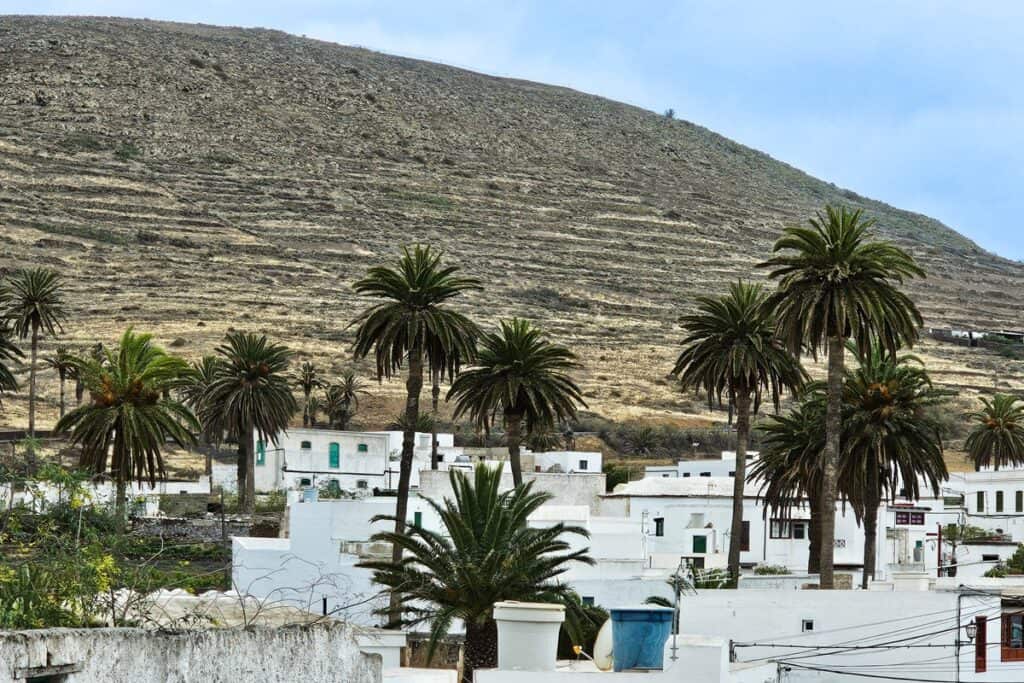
{"x": 188, "y": 179}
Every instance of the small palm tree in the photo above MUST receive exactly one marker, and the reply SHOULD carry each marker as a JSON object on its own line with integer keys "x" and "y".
{"x": 9, "y": 354}
{"x": 414, "y": 325}
{"x": 485, "y": 553}
{"x": 731, "y": 351}
{"x": 997, "y": 438}
{"x": 194, "y": 392}
{"x": 31, "y": 301}
{"x": 525, "y": 377}
{"x": 308, "y": 379}
{"x": 837, "y": 284}
{"x": 127, "y": 421}
{"x": 64, "y": 364}
{"x": 890, "y": 437}
{"x": 341, "y": 400}
{"x": 250, "y": 395}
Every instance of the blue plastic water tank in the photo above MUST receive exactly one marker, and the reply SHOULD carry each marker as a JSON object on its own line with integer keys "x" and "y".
{"x": 638, "y": 637}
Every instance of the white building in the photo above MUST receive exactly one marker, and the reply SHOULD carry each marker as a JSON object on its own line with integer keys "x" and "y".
{"x": 567, "y": 461}
{"x": 710, "y": 467}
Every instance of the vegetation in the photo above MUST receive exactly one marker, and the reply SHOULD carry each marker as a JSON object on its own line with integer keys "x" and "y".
{"x": 129, "y": 418}
{"x": 63, "y": 363}
{"x": 32, "y": 304}
{"x": 525, "y": 377}
{"x": 9, "y": 354}
{"x": 997, "y": 438}
{"x": 487, "y": 553}
{"x": 308, "y": 379}
{"x": 1013, "y": 565}
{"x": 249, "y": 395}
{"x": 413, "y": 325}
{"x": 341, "y": 400}
{"x": 194, "y": 391}
{"x": 731, "y": 351}
{"x": 771, "y": 570}
{"x": 837, "y": 284}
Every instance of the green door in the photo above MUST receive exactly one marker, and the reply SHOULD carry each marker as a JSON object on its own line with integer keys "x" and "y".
{"x": 417, "y": 519}
{"x": 335, "y": 456}
{"x": 261, "y": 453}
{"x": 700, "y": 544}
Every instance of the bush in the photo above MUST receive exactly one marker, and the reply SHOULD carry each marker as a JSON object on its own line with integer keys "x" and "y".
{"x": 771, "y": 570}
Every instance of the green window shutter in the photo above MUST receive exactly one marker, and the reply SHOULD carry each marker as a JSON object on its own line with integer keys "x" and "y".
{"x": 261, "y": 453}
{"x": 334, "y": 456}
{"x": 700, "y": 544}
{"x": 980, "y": 496}
{"x": 417, "y": 519}
{"x": 363, "y": 448}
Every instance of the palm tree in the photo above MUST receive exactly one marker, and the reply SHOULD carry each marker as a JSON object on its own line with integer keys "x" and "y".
{"x": 127, "y": 419}
{"x": 837, "y": 284}
{"x": 997, "y": 438}
{"x": 412, "y": 325}
{"x": 31, "y": 301}
{"x": 485, "y": 553}
{"x": 9, "y": 353}
{"x": 194, "y": 393}
{"x": 790, "y": 466}
{"x": 890, "y": 438}
{"x": 731, "y": 351}
{"x": 341, "y": 400}
{"x": 308, "y": 379}
{"x": 522, "y": 375}
{"x": 250, "y": 395}
{"x": 313, "y": 407}
{"x": 64, "y": 363}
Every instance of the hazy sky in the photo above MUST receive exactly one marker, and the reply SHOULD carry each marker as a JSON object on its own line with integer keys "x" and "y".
{"x": 919, "y": 104}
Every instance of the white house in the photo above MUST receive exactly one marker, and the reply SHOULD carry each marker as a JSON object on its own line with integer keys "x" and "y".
{"x": 724, "y": 466}
{"x": 567, "y": 461}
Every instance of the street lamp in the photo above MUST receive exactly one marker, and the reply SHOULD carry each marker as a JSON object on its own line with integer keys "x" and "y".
{"x": 971, "y": 629}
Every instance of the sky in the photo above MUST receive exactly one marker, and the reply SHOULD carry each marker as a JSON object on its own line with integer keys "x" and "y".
{"x": 918, "y": 103}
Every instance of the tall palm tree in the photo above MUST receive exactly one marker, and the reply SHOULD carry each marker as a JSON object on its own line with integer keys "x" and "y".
{"x": 524, "y": 376}
{"x": 194, "y": 393}
{"x": 486, "y": 552}
{"x": 250, "y": 395}
{"x": 308, "y": 379}
{"x": 790, "y": 467}
{"x": 31, "y": 301}
{"x": 731, "y": 352}
{"x": 341, "y": 400}
{"x": 836, "y": 284}
{"x": 9, "y": 354}
{"x": 64, "y": 363}
{"x": 997, "y": 438}
{"x": 890, "y": 437}
{"x": 413, "y": 324}
{"x": 127, "y": 421}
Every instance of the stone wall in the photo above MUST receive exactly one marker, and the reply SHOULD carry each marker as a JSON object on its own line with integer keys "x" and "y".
{"x": 324, "y": 652}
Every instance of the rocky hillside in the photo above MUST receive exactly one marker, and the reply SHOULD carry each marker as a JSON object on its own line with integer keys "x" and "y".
{"x": 188, "y": 179}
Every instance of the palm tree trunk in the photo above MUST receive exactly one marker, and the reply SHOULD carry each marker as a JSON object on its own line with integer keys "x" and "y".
{"x": 241, "y": 468}
{"x": 481, "y": 647}
{"x": 120, "y": 502}
{"x": 435, "y": 393}
{"x": 413, "y": 386}
{"x": 32, "y": 384}
{"x": 250, "y": 471}
{"x": 513, "y": 435}
{"x": 833, "y": 426}
{"x": 79, "y": 391}
{"x": 62, "y": 395}
{"x": 739, "y": 479}
{"x": 305, "y": 410}
{"x": 872, "y": 498}
{"x": 814, "y": 535}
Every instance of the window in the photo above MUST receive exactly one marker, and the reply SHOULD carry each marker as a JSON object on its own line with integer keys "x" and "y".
{"x": 989, "y": 558}
{"x": 917, "y": 518}
{"x": 362, "y": 484}
{"x": 999, "y": 501}
{"x": 417, "y": 519}
{"x": 799, "y": 530}
{"x": 306, "y": 445}
{"x": 583, "y": 464}
{"x": 659, "y": 526}
{"x": 905, "y": 517}
{"x": 705, "y": 474}
{"x": 587, "y": 599}
{"x": 686, "y": 474}
{"x": 732, "y": 473}
{"x": 665, "y": 476}
{"x": 1019, "y": 503}
{"x": 745, "y": 536}
{"x": 806, "y": 625}
{"x": 779, "y": 529}
{"x": 1013, "y": 636}
{"x": 305, "y": 482}
{"x": 334, "y": 456}
{"x": 980, "y": 501}
{"x": 700, "y": 544}
{"x": 261, "y": 453}
{"x": 362, "y": 448}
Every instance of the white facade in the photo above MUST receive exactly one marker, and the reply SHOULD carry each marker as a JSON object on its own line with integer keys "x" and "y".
{"x": 711, "y": 467}
{"x": 567, "y": 461}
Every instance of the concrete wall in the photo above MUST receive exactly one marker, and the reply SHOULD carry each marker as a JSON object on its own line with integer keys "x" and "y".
{"x": 315, "y": 653}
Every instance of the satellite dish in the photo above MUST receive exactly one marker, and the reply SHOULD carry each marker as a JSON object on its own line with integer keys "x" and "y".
{"x": 603, "y": 647}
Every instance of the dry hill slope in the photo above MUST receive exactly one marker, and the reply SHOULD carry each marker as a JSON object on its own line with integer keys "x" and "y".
{"x": 188, "y": 179}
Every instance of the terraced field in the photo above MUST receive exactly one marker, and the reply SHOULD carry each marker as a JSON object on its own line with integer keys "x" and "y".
{"x": 191, "y": 179}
